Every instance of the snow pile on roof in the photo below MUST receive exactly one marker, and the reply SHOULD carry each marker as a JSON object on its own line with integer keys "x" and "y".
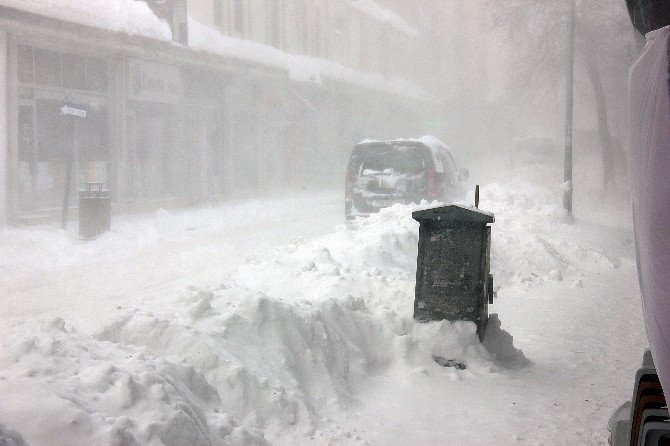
{"x": 128, "y": 16}
{"x": 432, "y": 142}
{"x": 300, "y": 68}
{"x": 136, "y": 18}
{"x": 384, "y": 15}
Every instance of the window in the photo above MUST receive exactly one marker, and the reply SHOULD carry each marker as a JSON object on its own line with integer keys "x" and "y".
{"x": 239, "y": 16}
{"x": 339, "y": 25}
{"x": 302, "y": 25}
{"x": 218, "y": 13}
{"x": 74, "y": 71}
{"x": 44, "y": 67}
{"x": 47, "y": 67}
{"x": 274, "y": 23}
{"x": 54, "y": 133}
{"x": 25, "y": 64}
{"x": 317, "y": 35}
{"x": 383, "y": 55}
{"x": 365, "y": 52}
{"x": 26, "y": 137}
{"x": 96, "y": 74}
{"x": 92, "y": 136}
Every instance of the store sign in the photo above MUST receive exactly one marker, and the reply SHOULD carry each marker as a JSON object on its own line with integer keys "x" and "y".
{"x": 154, "y": 82}
{"x": 72, "y": 111}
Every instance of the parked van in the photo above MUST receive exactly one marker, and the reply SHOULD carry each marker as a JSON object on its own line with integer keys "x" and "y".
{"x": 383, "y": 173}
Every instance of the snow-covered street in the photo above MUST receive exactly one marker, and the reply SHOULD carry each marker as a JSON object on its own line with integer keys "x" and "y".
{"x": 271, "y": 321}
{"x": 239, "y": 266}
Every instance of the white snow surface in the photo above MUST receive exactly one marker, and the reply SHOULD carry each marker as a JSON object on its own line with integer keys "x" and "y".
{"x": 262, "y": 337}
{"x": 128, "y": 16}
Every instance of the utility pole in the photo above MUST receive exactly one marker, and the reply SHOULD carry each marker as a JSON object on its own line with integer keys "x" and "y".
{"x": 569, "y": 99}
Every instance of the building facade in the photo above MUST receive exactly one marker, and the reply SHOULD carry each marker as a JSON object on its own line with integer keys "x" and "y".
{"x": 163, "y": 123}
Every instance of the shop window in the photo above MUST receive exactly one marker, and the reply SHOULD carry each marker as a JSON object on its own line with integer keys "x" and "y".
{"x": 26, "y": 146}
{"x": 54, "y": 132}
{"x": 92, "y": 138}
{"x": 365, "y": 52}
{"x": 25, "y": 92}
{"x": 339, "y": 25}
{"x": 383, "y": 53}
{"x": 302, "y": 25}
{"x": 218, "y": 12}
{"x": 317, "y": 35}
{"x": 25, "y": 64}
{"x": 274, "y": 23}
{"x": 74, "y": 71}
{"x": 239, "y": 16}
{"x": 96, "y": 74}
{"x": 44, "y": 67}
{"x": 47, "y": 67}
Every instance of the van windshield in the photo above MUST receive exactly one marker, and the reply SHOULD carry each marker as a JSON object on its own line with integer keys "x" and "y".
{"x": 391, "y": 161}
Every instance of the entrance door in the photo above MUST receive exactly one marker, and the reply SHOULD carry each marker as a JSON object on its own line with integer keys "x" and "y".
{"x": 48, "y": 140}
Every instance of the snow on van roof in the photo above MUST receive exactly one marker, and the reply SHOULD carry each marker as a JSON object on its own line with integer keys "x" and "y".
{"x": 430, "y": 141}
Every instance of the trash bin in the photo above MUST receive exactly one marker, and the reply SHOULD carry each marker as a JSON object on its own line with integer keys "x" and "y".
{"x": 95, "y": 211}
{"x": 452, "y": 274}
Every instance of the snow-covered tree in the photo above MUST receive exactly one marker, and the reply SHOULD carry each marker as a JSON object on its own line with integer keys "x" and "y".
{"x": 538, "y": 31}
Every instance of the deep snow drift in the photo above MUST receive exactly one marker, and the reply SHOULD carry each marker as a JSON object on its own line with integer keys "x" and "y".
{"x": 314, "y": 341}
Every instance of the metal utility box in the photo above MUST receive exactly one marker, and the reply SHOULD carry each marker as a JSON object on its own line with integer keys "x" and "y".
{"x": 95, "y": 210}
{"x": 452, "y": 274}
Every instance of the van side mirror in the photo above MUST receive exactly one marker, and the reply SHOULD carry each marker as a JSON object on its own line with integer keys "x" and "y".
{"x": 463, "y": 174}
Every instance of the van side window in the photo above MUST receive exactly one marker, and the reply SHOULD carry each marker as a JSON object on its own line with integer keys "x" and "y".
{"x": 448, "y": 164}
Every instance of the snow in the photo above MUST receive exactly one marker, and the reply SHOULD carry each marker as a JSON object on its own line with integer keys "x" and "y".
{"x": 136, "y": 18}
{"x": 384, "y": 15}
{"x": 225, "y": 326}
{"x": 300, "y": 68}
{"x": 432, "y": 142}
{"x": 126, "y": 16}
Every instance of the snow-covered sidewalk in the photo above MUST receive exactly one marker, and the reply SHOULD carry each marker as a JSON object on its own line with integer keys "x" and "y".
{"x": 220, "y": 326}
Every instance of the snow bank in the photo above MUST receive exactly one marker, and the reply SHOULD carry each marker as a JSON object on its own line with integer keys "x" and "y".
{"x": 127, "y": 16}
{"x": 283, "y": 345}
{"x": 64, "y": 388}
{"x": 293, "y": 337}
{"x": 269, "y": 355}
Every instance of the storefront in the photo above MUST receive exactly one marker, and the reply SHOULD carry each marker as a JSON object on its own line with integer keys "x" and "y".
{"x": 243, "y": 105}
{"x": 154, "y": 155}
{"x": 205, "y": 137}
{"x": 63, "y": 119}
{"x": 160, "y": 124}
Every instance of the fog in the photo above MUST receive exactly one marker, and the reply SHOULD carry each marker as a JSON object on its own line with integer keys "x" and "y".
{"x": 263, "y": 106}
{"x": 206, "y": 231}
